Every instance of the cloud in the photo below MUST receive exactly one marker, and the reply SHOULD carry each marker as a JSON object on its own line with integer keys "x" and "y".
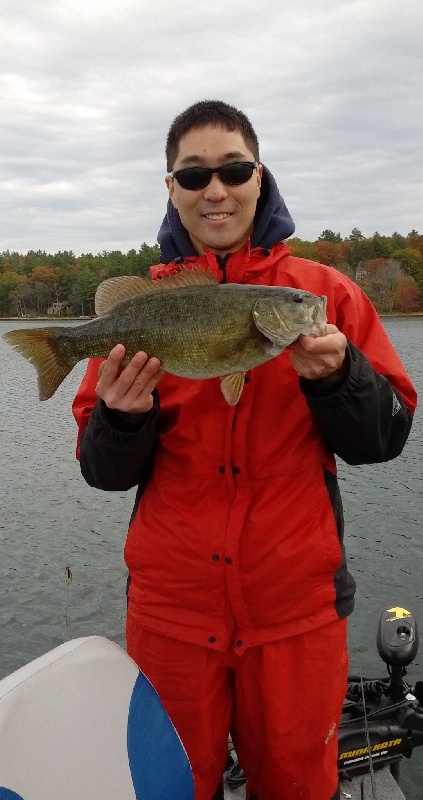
{"x": 334, "y": 90}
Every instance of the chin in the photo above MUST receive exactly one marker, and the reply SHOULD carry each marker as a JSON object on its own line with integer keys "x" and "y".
{"x": 222, "y": 244}
{"x": 221, "y": 249}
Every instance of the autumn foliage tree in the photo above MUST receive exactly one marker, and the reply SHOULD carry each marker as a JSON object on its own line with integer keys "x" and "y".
{"x": 10, "y": 284}
{"x": 406, "y": 298}
{"x": 383, "y": 280}
{"x": 411, "y": 262}
{"x": 380, "y": 277}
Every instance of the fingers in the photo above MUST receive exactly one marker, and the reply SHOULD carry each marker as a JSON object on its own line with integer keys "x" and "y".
{"x": 322, "y": 357}
{"x": 128, "y": 388}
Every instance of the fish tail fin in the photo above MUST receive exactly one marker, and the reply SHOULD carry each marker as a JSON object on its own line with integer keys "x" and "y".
{"x": 40, "y": 346}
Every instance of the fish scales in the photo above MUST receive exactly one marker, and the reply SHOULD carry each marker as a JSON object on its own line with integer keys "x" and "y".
{"x": 195, "y": 332}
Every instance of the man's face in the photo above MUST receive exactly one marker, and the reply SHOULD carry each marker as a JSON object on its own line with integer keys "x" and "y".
{"x": 218, "y": 217}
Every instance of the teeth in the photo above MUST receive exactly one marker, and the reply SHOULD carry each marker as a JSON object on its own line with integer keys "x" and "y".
{"x": 223, "y": 215}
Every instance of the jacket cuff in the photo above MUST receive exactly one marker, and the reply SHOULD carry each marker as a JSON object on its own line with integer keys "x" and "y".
{"x": 121, "y": 422}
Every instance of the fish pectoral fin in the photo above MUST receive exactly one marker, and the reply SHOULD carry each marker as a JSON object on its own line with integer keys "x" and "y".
{"x": 113, "y": 291}
{"x": 232, "y": 386}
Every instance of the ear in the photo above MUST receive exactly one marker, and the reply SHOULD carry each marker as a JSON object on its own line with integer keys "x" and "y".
{"x": 259, "y": 176}
{"x": 171, "y": 188}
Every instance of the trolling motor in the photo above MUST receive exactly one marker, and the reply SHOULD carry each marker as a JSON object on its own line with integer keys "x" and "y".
{"x": 382, "y": 719}
{"x": 397, "y": 643}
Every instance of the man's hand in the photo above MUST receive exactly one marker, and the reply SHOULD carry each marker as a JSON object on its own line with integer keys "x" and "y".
{"x": 321, "y": 357}
{"x": 128, "y": 389}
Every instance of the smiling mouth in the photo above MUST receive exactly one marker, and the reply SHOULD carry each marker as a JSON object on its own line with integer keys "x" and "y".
{"x": 218, "y": 216}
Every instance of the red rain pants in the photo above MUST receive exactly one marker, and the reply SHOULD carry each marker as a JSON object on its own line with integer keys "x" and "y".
{"x": 281, "y": 701}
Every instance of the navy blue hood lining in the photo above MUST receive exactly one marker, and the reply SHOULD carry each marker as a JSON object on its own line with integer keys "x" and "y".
{"x": 272, "y": 223}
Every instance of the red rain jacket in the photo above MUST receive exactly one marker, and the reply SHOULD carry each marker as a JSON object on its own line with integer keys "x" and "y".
{"x": 237, "y": 529}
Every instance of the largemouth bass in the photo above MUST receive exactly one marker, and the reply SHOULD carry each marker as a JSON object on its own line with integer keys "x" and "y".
{"x": 197, "y": 327}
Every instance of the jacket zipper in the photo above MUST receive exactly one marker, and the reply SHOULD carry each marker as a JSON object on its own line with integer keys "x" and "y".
{"x": 221, "y": 262}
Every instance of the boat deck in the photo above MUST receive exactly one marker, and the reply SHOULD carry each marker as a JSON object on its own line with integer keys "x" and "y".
{"x": 359, "y": 789}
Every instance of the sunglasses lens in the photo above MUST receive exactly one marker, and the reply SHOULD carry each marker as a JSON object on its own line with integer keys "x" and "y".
{"x": 195, "y": 178}
{"x": 237, "y": 173}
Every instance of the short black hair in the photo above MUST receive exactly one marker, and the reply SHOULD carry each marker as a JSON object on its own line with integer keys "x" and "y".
{"x": 209, "y": 112}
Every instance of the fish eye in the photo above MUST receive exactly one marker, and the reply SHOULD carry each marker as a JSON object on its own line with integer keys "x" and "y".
{"x": 297, "y": 298}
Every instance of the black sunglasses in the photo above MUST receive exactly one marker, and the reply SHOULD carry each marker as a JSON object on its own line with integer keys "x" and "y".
{"x": 233, "y": 174}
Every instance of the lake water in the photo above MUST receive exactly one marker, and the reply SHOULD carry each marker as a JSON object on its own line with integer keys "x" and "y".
{"x": 50, "y": 520}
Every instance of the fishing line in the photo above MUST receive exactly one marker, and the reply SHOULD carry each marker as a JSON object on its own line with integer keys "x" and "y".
{"x": 68, "y": 576}
{"x": 366, "y": 725}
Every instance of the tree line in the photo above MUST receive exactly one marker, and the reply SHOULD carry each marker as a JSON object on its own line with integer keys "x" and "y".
{"x": 39, "y": 283}
{"x": 389, "y": 269}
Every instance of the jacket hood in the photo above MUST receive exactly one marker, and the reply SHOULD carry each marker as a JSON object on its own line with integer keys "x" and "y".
{"x": 273, "y": 223}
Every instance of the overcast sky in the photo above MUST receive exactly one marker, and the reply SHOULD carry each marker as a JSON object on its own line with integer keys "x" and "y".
{"x": 89, "y": 88}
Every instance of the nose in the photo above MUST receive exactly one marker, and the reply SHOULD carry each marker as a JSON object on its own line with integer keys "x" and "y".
{"x": 215, "y": 190}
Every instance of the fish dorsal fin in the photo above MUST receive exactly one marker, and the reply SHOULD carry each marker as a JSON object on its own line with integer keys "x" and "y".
{"x": 232, "y": 386}
{"x": 187, "y": 277}
{"x": 113, "y": 291}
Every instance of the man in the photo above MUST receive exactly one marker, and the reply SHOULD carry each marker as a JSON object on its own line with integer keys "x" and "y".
{"x": 239, "y": 590}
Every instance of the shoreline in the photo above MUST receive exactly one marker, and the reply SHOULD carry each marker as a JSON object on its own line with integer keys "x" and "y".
{"x": 93, "y": 316}
{"x": 401, "y": 314}
{"x": 46, "y": 319}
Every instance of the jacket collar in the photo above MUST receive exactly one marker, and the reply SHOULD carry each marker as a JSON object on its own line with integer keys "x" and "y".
{"x": 248, "y": 265}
